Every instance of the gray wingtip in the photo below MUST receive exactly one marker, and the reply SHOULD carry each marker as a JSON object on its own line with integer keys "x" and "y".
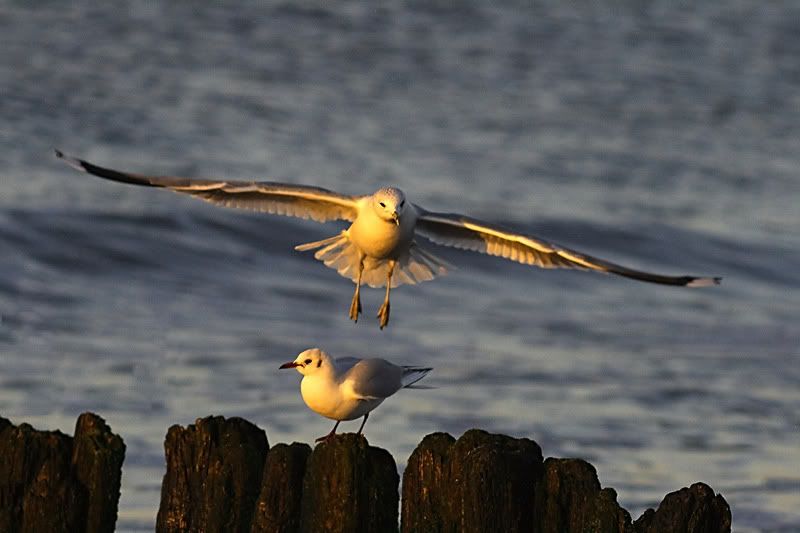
{"x": 704, "y": 282}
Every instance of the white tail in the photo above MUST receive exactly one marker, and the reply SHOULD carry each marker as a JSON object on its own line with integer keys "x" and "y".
{"x": 340, "y": 254}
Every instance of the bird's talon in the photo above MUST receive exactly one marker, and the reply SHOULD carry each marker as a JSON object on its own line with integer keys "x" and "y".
{"x": 355, "y": 309}
{"x": 383, "y": 314}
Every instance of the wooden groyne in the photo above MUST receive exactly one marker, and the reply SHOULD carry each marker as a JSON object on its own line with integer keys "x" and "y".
{"x": 221, "y": 475}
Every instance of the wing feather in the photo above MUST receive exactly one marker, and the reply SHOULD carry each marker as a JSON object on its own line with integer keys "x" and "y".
{"x": 412, "y": 374}
{"x": 467, "y": 233}
{"x": 300, "y": 201}
{"x": 373, "y": 379}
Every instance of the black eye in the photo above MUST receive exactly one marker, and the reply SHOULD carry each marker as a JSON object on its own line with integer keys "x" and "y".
{"x": 383, "y": 204}
{"x": 307, "y": 361}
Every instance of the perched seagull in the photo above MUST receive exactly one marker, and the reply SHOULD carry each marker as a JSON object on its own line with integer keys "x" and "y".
{"x": 347, "y": 388}
{"x": 379, "y": 247}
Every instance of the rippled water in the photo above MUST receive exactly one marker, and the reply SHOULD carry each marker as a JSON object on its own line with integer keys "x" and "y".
{"x": 657, "y": 136}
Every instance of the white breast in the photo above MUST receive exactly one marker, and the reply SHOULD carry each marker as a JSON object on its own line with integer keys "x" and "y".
{"x": 324, "y": 397}
{"x": 379, "y": 238}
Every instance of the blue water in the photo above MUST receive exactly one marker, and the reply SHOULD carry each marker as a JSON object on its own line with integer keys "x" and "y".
{"x": 659, "y": 136}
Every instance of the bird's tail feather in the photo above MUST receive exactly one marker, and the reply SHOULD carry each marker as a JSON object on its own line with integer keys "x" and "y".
{"x": 340, "y": 254}
{"x": 412, "y": 374}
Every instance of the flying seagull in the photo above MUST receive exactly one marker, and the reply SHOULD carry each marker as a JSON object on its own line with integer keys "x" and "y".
{"x": 347, "y": 388}
{"x": 380, "y": 246}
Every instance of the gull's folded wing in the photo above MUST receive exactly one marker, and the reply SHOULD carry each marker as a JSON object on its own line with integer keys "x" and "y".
{"x": 373, "y": 379}
{"x": 276, "y": 198}
{"x": 467, "y": 233}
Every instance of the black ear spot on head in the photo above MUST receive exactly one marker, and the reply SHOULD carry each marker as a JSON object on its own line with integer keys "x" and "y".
{"x": 319, "y": 363}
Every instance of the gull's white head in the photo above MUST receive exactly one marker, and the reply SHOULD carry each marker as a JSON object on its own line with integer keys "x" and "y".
{"x": 310, "y": 361}
{"x": 389, "y": 203}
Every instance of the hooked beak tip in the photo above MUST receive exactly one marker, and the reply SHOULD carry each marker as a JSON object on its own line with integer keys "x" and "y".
{"x": 291, "y": 364}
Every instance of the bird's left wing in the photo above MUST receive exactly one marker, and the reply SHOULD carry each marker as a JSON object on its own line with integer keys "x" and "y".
{"x": 467, "y": 233}
{"x": 301, "y": 201}
{"x": 373, "y": 379}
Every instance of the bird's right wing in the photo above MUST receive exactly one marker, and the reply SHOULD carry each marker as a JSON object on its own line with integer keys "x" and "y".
{"x": 460, "y": 231}
{"x": 300, "y": 201}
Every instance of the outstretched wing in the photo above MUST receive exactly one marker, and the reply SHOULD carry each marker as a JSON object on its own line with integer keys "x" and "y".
{"x": 300, "y": 201}
{"x": 467, "y": 233}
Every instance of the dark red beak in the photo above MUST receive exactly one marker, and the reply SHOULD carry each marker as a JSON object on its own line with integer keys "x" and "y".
{"x": 290, "y": 365}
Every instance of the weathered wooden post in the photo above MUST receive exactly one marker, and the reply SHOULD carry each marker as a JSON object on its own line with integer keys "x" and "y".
{"x": 278, "y": 506}
{"x": 569, "y": 499}
{"x": 52, "y": 482}
{"x": 97, "y": 457}
{"x": 426, "y": 481}
{"x": 693, "y": 510}
{"x": 349, "y": 486}
{"x": 213, "y": 477}
{"x": 481, "y": 482}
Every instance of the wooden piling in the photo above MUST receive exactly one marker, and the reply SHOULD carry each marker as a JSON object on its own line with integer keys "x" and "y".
{"x": 425, "y": 486}
{"x": 481, "y": 482}
{"x": 222, "y": 476}
{"x": 350, "y": 486}
{"x": 569, "y": 499}
{"x": 213, "y": 477}
{"x": 97, "y": 458}
{"x": 693, "y": 510}
{"x": 52, "y": 482}
{"x": 281, "y": 499}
